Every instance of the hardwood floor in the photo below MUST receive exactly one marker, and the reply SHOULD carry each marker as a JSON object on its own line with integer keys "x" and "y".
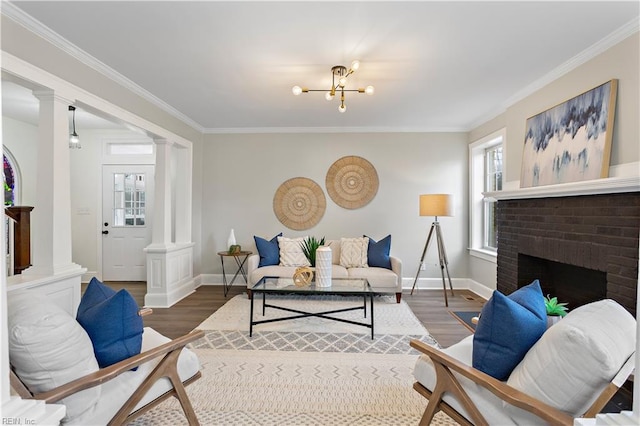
{"x": 184, "y": 316}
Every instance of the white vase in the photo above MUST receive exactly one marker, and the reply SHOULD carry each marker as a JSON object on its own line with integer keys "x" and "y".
{"x": 323, "y": 267}
{"x": 232, "y": 239}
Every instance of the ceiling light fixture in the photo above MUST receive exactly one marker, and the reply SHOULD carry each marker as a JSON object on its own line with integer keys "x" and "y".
{"x": 341, "y": 73}
{"x": 74, "y": 139}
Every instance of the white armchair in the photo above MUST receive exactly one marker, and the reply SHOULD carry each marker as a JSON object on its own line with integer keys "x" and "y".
{"x": 571, "y": 371}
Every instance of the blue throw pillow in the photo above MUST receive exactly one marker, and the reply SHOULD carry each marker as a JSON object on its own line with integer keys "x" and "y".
{"x": 269, "y": 251}
{"x": 509, "y": 326}
{"x": 111, "y": 320}
{"x": 378, "y": 252}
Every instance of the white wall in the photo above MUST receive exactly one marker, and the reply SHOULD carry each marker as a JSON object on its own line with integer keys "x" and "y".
{"x": 22, "y": 140}
{"x": 620, "y": 62}
{"x": 242, "y": 172}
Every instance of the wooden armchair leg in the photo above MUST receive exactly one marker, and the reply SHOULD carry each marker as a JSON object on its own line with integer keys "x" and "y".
{"x": 168, "y": 367}
{"x": 447, "y": 382}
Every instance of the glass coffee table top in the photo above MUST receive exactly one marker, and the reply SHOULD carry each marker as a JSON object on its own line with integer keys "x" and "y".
{"x": 346, "y": 286}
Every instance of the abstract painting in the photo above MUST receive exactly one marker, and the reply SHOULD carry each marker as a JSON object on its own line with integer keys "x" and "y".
{"x": 572, "y": 141}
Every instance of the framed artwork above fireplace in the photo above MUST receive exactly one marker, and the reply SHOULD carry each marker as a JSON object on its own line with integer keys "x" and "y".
{"x": 572, "y": 141}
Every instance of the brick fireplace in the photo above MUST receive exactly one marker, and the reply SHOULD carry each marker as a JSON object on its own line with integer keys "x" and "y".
{"x": 582, "y": 247}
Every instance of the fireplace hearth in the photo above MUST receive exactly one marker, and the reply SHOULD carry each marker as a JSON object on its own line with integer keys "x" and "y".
{"x": 581, "y": 248}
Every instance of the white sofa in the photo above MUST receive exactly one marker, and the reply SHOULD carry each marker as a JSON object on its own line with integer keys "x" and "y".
{"x": 382, "y": 280}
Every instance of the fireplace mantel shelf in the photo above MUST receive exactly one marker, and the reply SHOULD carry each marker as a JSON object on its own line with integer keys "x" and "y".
{"x": 611, "y": 185}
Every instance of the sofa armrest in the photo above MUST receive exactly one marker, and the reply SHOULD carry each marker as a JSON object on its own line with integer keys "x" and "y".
{"x": 252, "y": 264}
{"x": 396, "y": 267}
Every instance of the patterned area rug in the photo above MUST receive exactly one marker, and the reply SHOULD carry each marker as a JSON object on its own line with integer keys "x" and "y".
{"x": 315, "y": 373}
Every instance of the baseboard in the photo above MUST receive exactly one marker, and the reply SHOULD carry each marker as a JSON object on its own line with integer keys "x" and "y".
{"x": 458, "y": 284}
{"x": 166, "y": 300}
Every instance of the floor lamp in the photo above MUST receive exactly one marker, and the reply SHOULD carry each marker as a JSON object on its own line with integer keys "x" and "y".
{"x": 436, "y": 205}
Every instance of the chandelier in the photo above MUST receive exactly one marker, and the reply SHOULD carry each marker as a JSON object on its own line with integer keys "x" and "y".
{"x": 340, "y": 73}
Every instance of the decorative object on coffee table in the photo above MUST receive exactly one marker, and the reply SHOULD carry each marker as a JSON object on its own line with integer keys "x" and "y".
{"x": 299, "y": 203}
{"x": 303, "y": 276}
{"x": 436, "y": 205}
{"x": 572, "y": 141}
{"x": 352, "y": 182}
{"x": 323, "y": 266}
{"x": 309, "y": 247}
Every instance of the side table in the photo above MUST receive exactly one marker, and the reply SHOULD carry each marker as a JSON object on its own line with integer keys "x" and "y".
{"x": 240, "y": 259}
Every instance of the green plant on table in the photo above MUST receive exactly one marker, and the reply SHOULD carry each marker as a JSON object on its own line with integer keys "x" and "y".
{"x": 554, "y": 308}
{"x": 309, "y": 247}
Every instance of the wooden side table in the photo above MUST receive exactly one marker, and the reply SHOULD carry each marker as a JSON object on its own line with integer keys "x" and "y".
{"x": 240, "y": 259}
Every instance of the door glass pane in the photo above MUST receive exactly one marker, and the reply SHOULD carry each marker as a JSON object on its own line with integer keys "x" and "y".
{"x": 129, "y": 199}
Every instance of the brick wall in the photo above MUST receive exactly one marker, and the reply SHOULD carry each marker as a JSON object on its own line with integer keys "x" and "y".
{"x": 598, "y": 232}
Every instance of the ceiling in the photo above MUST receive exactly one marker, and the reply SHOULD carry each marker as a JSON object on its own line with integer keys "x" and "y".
{"x": 230, "y": 66}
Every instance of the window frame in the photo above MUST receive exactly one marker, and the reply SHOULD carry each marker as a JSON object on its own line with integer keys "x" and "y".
{"x": 477, "y": 185}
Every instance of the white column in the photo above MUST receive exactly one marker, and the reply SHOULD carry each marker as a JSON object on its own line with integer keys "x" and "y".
{"x": 162, "y": 219}
{"x": 183, "y": 194}
{"x": 51, "y": 217}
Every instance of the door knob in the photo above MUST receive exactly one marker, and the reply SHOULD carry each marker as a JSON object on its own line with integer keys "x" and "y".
{"x": 105, "y": 232}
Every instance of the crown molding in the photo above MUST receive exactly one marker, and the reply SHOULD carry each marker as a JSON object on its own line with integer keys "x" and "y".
{"x": 591, "y": 52}
{"x": 251, "y": 130}
{"x": 17, "y": 15}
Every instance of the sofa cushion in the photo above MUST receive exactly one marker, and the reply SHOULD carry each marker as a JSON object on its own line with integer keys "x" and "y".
{"x": 291, "y": 253}
{"x": 378, "y": 252}
{"x": 577, "y": 357}
{"x": 48, "y": 348}
{"x": 269, "y": 251}
{"x": 508, "y": 328}
{"x": 379, "y": 278}
{"x": 111, "y": 319}
{"x": 353, "y": 252}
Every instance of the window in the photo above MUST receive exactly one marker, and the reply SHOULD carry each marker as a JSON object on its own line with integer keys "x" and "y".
{"x": 129, "y": 195}
{"x": 486, "y": 161}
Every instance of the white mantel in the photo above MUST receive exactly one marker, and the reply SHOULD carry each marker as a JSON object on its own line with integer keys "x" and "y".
{"x": 610, "y": 185}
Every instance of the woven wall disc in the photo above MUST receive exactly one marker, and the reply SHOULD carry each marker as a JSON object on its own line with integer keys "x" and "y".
{"x": 352, "y": 182}
{"x": 299, "y": 203}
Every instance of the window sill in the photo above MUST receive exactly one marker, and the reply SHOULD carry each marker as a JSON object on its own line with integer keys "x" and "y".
{"x": 488, "y": 255}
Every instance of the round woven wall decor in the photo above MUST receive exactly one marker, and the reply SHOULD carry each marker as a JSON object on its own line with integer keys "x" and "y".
{"x": 299, "y": 203}
{"x": 352, "y": 182}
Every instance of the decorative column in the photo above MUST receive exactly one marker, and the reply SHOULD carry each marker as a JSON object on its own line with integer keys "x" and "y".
{"x": 51, "y": 219}
{"x": 170, "y": 263}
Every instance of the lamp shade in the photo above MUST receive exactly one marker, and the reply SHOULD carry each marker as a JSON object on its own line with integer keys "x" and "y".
{"x": 436, "y": 205}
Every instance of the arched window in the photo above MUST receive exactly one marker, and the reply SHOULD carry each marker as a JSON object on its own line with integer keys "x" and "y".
{"x": 11, "y": 178}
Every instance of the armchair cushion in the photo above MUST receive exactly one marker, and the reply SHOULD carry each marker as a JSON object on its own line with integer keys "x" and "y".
{"x": 578, "y": 357}
{"x": 48, "y": 348}
{"x": 508, "y": 328}
{"x": 111, "y": 319}
{"x": 269, "y": 251}
{"x": 378, "y": 252}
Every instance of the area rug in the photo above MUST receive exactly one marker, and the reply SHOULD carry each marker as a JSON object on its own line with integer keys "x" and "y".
{"x": 306, "y": 371}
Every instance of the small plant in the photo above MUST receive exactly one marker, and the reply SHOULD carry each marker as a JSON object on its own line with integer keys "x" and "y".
{"x": 309, "y": 247}
{"x": 554, "y": 308}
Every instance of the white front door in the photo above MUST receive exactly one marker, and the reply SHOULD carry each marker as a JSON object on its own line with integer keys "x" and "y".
{"x": 127, "y": 202}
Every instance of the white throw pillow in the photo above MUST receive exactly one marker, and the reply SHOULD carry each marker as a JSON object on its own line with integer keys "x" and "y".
{"x": 48, "y": 348}
{"x": 353, "y": 252}
{"x": 291, "y": 253}
{"x": 576, "y": 358}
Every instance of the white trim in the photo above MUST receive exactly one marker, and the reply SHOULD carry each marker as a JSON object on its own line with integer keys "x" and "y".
{"x": 22, "y": 18}
{"x": 251, "y": 130}
{"x": 488, "y": 255}
{"x": 26, "y": 71}
{"x": 589, "y": 53}
{"x": 476, "y": 183}
{"x": 433, "y": 284}
{"x": 591, "y": 187}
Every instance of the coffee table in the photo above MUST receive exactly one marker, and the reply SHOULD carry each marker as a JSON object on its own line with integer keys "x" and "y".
{"x": 339, "y": 286}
